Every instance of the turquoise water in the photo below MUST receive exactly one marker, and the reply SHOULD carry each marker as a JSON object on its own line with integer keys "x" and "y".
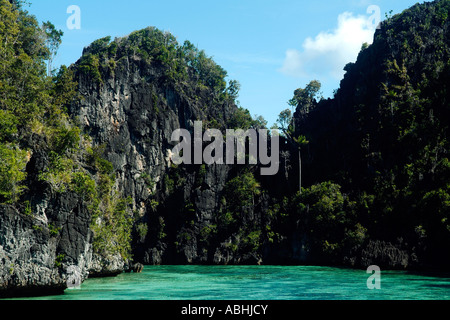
{"x": 258, "y": 283}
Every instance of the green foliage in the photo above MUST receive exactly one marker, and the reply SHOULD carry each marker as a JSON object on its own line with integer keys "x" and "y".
{"x": 90, "y": 65}
{"x": 12, "y": 173}
{"x": 59, "y": 260}
{"x": 53, "y": 230}
{"x": 260, "y": 122}
{"x": 112, "y": 220}
{"x": 189, "y": 209}
{"x": 207, "y": 232}
{"x": 200, "y": 175}
{"x": 154, "y": 205}
{"x": 169, "y": 184}
{"x": 155, "y": 100}
{"x": 252, "y": 241}
{"x": 30, "y": 101}
{"x": 161, "y": 235}
{"x": 8, "y": 126}
{"x": 142, "y": 230}
{"x": 325, "y": 216}
{"x": 21, "y": 87}
{"x": 59, "y": 172}
{"x": 174, "y": 179}
{"x": 307, "y": 95}
{"x": 324, "y": 202}
{"x": 357, "y": 236}
{"x": 27, "y": 211}
{"x": 227, "y": 218}
{"x": 95, "y": 158}
{"x": 284, "y": 122}
{"x": 241, "y": 190}
{"x": 33, "y": 115}
{"x": 66, "y": 139}
{"x": 437, "y": 202}
{"x": 242, "y": 119}
{"x": 83, "y": 185}
{"x": 101, "y": 46}
{"x": 301, "y": 141}
{"x": 238, "y": 198}
{"x": 181, "y": 64}
{"x": 233, "y": 89}
{"x": 112, "y": 226}
{"x": 63, "y": 90}
{"x": 384, "y": 140}
{"x": 53, "y": 41}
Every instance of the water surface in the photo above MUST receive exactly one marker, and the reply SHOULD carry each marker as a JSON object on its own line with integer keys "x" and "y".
{"x": 258, "y": 283}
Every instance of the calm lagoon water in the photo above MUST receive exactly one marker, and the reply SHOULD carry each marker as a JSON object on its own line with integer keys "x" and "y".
{"x": 258, "y": 283}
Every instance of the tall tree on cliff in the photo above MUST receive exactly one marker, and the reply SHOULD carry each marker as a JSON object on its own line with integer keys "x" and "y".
{"x": 303, "y": 99}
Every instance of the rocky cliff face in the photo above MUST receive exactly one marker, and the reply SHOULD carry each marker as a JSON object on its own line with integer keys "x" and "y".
{"x": 38, "y": 250}
{"x": 28, "y": 255}
{"x": 132, "y": 94}
{"x": 136, "y": 92}
{"x": 46, "y": 243}
{"x": 382, "y": 140}
{"x": 133, "y": 112}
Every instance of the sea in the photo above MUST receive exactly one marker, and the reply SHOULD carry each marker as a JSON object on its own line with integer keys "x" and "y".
{"x": 191, "y": 283}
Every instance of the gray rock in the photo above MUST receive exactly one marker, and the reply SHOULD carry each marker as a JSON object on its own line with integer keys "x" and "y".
{"x": 134, "y": 115}
{"x": 385, "y": 254}
{"x": 33, "y": 259}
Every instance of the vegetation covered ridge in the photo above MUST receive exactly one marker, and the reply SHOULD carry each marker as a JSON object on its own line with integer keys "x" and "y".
{"x": 384, "y": 137}
{"x": 41, "y": 148}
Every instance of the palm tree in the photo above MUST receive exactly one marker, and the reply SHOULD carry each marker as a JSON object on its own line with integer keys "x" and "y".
{"x": 303, "y": 99}
{"x": 300, "y": 141}
{"x": 287, "y": 127}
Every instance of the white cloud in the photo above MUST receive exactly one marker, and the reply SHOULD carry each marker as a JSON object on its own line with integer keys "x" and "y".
{"x": 328, "y": 53}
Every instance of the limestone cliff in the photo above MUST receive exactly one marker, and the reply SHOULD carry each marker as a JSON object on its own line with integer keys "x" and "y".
{"x": 88, "y": 192}
{"x": 141, "y": 96}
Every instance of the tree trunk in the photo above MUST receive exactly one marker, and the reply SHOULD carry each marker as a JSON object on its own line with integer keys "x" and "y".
{"x": 300, "y": 170}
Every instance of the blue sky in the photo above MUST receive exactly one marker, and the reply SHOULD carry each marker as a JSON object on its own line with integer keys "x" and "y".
{"x": 271, "y": 47}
